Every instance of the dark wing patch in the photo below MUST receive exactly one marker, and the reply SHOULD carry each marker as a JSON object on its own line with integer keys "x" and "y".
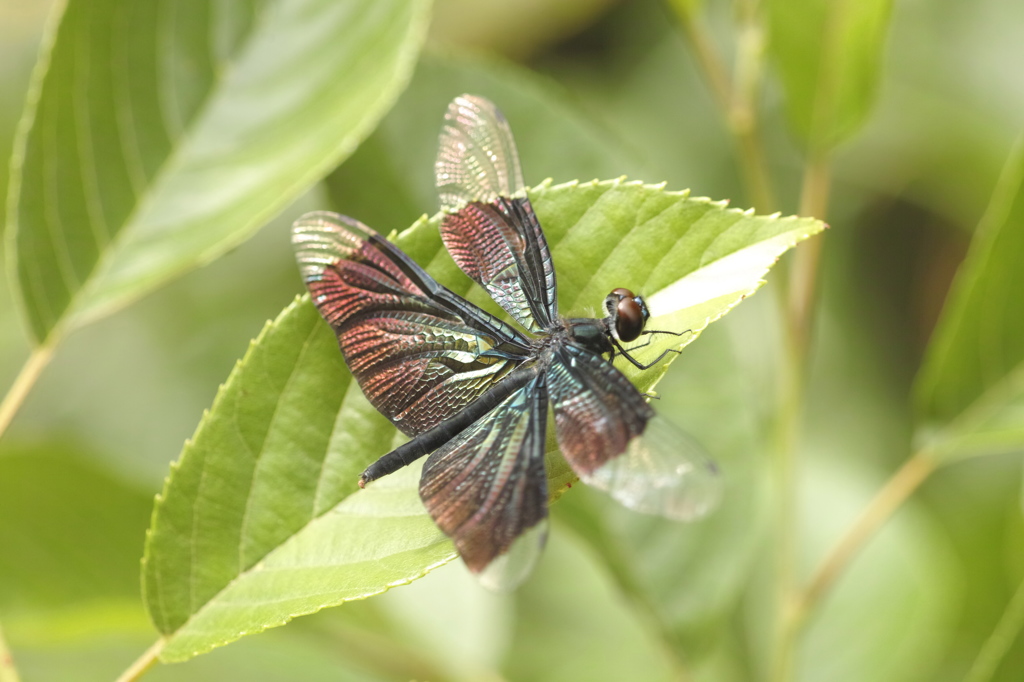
{"x": 597, "y": 410}
{"x": 419, "y": 352}
{"x": 486, "y": 488}
{"x": 491, "y": 230}
{"x": 614, "y": 441}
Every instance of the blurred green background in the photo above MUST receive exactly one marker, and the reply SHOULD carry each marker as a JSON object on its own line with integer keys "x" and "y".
{"x": 81, "y": 462}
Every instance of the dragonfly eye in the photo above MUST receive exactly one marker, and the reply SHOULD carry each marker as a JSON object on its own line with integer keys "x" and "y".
{"x": 629, "y": 313}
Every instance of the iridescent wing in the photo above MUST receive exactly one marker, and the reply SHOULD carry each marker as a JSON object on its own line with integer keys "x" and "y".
{"x": 490, "y": 228}
{"x": 614, "y": 441}
{"x": 419, "y": 352}
{"x": 487, "y": 490}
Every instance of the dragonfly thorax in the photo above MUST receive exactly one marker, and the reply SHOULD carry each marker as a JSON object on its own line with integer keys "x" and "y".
{"x": 474, "y": 392}
{"x": 591, "y": 333}
{"x": 624, "y": 320}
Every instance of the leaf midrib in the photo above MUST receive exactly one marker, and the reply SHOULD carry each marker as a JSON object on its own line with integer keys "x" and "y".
{"x": 313, "y": 331}
{"x": 169, "y": 164}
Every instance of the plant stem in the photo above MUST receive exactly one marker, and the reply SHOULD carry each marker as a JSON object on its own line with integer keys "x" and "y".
{"x": 644, "y": 609}
{"x": 704, "y": 51}
{"x": 26, "y": 379}
{"x": 736, "y": 99}
{"x": 803, "y": 278}
{"x": 787, "y": 435}
{"x": 802, "y": 293}
{"x": 743, "y": 118}
{"x": 799, "y": 607}
{"x": 1000, "y": 641}
{"x": 788, "y": 425}
{"x": 901, "y": 486}
{"x": 381, "y": 656}
{"x": 617, "y": 556}
{"x": 143, "y": 663}
{"x": 8, "y": 673}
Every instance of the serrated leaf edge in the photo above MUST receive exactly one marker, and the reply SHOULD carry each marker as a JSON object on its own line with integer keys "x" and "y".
{"x": 189, "y": 444}
{"x": 270, "y": 325}
{"x": 813, "y": 226}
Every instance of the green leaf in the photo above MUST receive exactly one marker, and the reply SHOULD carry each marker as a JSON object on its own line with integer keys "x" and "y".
{"x": 692, "y": 258}
{"x": 970, "y": 391}
{"x": 554, "y": 139}
{"x": 470, "y": 645}
{"x": 258, "y": 521}
{"x": 277, "y": 656}
{"x": 261, "y": 519}
{"x": 711, "y": 393}
{"x": 159, "y": 136}
{"x": 829, "y": 57}
{"x": 893, "y": 613}
{"x": 573, "y": 605}
{"x": 854, "y": 431}
{"x": 69, "y": 544}
{"x": 686, "y": 8}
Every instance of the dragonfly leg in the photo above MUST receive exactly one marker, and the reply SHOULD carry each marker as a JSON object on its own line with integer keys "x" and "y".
{"x": 636, "y": 363}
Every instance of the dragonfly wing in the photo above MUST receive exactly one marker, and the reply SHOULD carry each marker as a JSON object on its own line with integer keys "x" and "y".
{"x": 477, "y": 159}
{"x": 490, "y": 228}
{"x": 487, "y": 489}
{"x": 419, "y": 352}
{"x": 663, "y": 472}
{"x": 614, "y": 441}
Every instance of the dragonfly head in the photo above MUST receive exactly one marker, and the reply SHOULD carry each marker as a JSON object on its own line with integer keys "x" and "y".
{"x": 627, "y": 314}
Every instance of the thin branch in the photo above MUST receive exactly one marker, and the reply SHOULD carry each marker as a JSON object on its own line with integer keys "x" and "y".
{"x": 788, "y": 422}
{"x": 1000, "y": 641}
{"x": 891, "y": 497}
{"x": 704, "y": 51}
{"x": 737, "y": 98}
{"x": 8, "y": 672}
{"x": 743, "y": 111}
{"x": 384, "y": 657}
{"x": 645, "y": 610}
{"x": 616, "y": 556}
{"x": 799, "y": 317}
{"x": 803, "y": 279}
{"x": 24, "y": 382}
{"x": 752, "y": 162}
{"x": 797, "y": 608}
{"x": 144, "y": 662}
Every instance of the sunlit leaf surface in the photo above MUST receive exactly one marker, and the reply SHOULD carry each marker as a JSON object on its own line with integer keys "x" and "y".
{"x": 261, "y": 519}
{"x": 258, "y": 521}
{"x": 921, "y": 600}
{"x": 163, "y": 134}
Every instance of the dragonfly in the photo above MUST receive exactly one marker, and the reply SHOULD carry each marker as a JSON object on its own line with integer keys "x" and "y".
{"x": 472, "y": 390}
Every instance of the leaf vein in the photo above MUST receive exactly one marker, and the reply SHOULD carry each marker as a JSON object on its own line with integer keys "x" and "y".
{"x": 128, "y": 134}
{"x": 87, "y": 168}
{"x": 170, "y": 105}
{"x": 55, "y": 231}
{"x": 262, "y": 448}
